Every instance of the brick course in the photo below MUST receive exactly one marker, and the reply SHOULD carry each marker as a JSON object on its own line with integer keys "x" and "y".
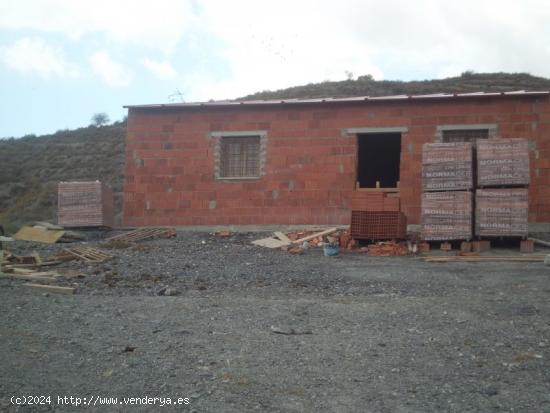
{"x": 310, "y": 166}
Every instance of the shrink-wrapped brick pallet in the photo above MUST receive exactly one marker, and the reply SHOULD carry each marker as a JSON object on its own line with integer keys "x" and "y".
{"x": 502, "y": 212}
{"x": 447, "y": 216}
{"x": 502, "y": 162}
{"x": 85, "y": 204}
{"x": 447, "y": 166}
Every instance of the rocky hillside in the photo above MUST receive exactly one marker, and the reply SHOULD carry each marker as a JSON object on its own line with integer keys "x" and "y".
{"x": 31, "y": 167}
{"x": 367, "y": 86}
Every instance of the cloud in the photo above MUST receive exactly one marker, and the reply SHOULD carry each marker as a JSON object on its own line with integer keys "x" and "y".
{"x": 112, "y": 73}
{"x": 162, "y": 70}
{"x": 159, "y": 24}
{"x": 32, "y": 55}
{"x": 392, "y": 39}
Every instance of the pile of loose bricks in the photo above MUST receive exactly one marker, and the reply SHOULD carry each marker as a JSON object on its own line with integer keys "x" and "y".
{"x": 376, "y": 215}
{"x": 500, "y": 168}
{"x": 85, "y": 204}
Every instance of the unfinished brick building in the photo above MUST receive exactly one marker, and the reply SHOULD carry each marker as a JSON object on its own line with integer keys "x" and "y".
{"x": 301, "y": 161}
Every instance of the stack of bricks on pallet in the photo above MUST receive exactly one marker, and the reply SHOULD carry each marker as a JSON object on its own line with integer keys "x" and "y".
{"x": 375, "y": 201}
{"x": 447, "y": 179}
{"x": 502, "y": 212}
{"x": 378, "y": 225}
{"x": 447, "y": 166}
{"x": 85, "y": 204}
{"x": 502, "y": 162}
{"x": 447, "y": 215}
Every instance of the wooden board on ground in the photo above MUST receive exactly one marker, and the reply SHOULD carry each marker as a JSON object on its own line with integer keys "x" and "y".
{"x": 143, "y": 233}
{"x": 38, "y": 234}
{"x": 317, "y": 234}
{"x": 282, "y": 237}
{"x": 486, "y": 258}
{"x": 87, "y": 254}
{"x": 42, "y": 277}
{"x": 51, "y": 288}
{"x": 270, "y": 243}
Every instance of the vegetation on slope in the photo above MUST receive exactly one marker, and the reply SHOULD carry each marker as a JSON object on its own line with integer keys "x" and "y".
{"x": 31, "y": 167}
{"x": 367, "y": 86}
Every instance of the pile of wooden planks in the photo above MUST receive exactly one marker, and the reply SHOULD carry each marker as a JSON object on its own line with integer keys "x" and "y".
{"x": 144, "y": 233}
{"x": 279, "y": 239}
{"x": 86, "y": 254}
{"x": 502, "y": 212}
{"x": 446, "y": 215}
{"x": 38, "y": 278}
{"x": 502, "y": 162}
{"x": 447, "y": 166}
{"x": 85, "y": 204}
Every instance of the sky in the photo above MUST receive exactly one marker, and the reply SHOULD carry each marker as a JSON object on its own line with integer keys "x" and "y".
{"x": 61, "y": 61}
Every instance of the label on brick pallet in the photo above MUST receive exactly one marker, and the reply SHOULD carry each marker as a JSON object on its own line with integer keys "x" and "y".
{"x": 447, "y": 215}
{"x": 502, "y": 162}
{"x": 447, "y": 166}
{"x": 502, "y": 212}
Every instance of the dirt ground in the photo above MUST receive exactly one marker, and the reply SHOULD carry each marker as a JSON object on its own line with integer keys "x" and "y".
{"x": 201, "y": 317}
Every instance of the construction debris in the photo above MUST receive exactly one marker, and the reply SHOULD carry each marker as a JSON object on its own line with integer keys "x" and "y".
{"x": 310, "y": 238}
{"x": 51, "y": 288}
{"x": 47, "y": 277}
{"x": 144, "y": 233}
{"x": 38, "y": 234}
{"x": 387, "y": 249}
{"x": 86, "y": 254}
{"x": 270, "y": 242}
{"x": 315, "y": 235}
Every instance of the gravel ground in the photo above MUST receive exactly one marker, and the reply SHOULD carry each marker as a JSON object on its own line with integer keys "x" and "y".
{"x": 360, "y": 333}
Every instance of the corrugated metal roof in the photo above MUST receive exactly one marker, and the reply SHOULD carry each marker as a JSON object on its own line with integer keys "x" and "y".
{"x": 229, "y": 103}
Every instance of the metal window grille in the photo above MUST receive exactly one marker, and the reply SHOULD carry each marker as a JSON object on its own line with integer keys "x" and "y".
{"x": 240, "y": 157}
{"x": 465, "y": 135}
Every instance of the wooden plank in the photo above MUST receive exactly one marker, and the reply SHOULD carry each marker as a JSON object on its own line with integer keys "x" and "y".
{"x": 282, "y": 237}
{"x": 318, "y": 234}
{"x": 540, "y": 242}
{"x": 485, "y": 259}
{"x": 51, "y": 288}
{"x": 30, "y": 277}
{"x": 270, "y": 243}
{"x": 43, "y": 264}
{"x": 38, "y": 235}
{"x": 82, "y": 257}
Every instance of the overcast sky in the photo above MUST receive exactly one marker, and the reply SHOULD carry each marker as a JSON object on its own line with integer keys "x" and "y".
{"x": 61, "y": 61}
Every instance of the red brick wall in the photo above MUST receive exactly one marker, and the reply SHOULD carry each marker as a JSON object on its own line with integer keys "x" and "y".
{"x": 310, "y": 165}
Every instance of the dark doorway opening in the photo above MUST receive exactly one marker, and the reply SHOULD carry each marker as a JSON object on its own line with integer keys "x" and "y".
{"x": 378, "y": 159}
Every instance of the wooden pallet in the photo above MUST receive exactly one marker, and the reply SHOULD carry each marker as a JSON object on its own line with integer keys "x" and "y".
{"x": 87, "y": 254}
{"x": 143, "y": 233}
